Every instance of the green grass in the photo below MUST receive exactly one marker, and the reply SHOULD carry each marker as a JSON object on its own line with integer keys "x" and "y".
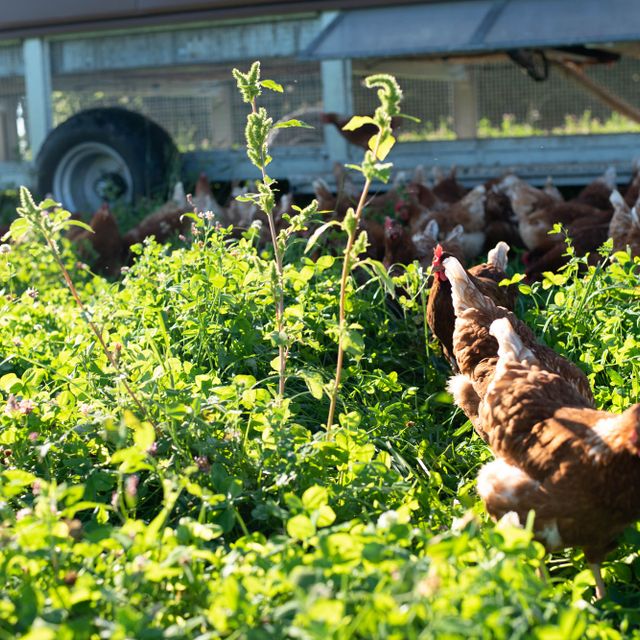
{"x": 509, "y": 127}
{"x": 226, "y": 514}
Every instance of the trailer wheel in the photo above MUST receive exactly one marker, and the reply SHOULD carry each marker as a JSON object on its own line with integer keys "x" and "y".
{"x": 105, "y": 154}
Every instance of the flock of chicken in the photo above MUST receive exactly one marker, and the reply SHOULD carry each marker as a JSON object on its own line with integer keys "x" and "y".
{"x": 111, "y": 248}
{"x": 578, "y": 468}
{"x": 406, "y": 222}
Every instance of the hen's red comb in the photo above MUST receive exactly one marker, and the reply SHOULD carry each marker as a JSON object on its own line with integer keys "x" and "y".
{"x": 437, "y": 252}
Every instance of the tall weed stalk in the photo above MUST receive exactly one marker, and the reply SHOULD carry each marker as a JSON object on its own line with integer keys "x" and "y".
{"x": 47, "y": 226}
{"x": 372, "y": 168}
{"x": 258, "y": 132}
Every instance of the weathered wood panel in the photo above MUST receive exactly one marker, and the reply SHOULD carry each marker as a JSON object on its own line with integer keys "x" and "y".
{"x": 182, "y": 46}
{"x": 11, "y": 61}
{"x": 571, "y": 160}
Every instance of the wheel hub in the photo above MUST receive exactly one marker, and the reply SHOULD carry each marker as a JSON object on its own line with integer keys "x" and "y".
{"x": 90, "y": 173}
{"x": 110, "y": 186}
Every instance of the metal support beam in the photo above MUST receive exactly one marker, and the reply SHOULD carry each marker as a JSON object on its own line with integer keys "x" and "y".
{"x": 37, "y": 71}
{"x": 465, "y": 107}
{"x": 222, "y": 116}
{"x": 337, "y": 96}
{"x": 9, "y": 143}
{"x": 602, "y": 93}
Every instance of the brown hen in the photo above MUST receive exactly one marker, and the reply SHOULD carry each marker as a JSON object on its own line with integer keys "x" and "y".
{"x": 596, "y": 194}
{"x": 587, "y": 234}
{"x": 399, "y": 248}
{"x": 487, "y": 276}
{"x": 470, "y": 213}
{"x": 163, "y": 222}
{"x": 476, "y": 351}
{"x": 448, "y": 189}
{"x": 624, "y": 227}
{"x": 576, "y": 467}
{"x": 104, "y": 239}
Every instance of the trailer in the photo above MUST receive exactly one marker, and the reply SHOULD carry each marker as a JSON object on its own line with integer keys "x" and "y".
{"x": 113, "y": 102}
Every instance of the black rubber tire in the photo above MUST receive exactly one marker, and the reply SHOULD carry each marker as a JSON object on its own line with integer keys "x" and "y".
{"x": 145, "y": 148}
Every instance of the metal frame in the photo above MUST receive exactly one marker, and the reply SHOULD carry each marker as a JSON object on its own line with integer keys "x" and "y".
{"x": 442, "y": 28}
{"x": 37, "y": 68}
{"x": 571, "y": 159}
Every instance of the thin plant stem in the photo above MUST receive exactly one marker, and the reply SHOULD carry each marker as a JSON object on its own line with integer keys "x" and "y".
{"x": 92, "y": 325}
{"x": 283, "y": 351}
{"x": 346, "y": 270}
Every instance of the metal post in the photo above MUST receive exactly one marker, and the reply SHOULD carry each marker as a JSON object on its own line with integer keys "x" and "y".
{"x": 5, "y": 145}
{"x": 37, "y": 71}
{"x": 336, "y": 96}
{"x": 222, "y": 116}
{"x": 465, "y": 107}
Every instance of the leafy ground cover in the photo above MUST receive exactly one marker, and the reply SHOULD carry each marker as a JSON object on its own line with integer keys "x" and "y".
{"x": 225, "y": 513}
{"x": 509, "y": 127}
{"x": 164, "y": 487}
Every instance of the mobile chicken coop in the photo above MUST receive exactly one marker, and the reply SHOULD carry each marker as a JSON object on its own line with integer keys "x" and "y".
{"x": 96, "y": 97}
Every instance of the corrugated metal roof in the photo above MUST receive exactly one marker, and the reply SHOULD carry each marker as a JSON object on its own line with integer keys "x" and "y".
{"x": 45, "y": 17}
{"x": 394, "y": 31}
{"x": 564, "y": 22}
{"x": 476, "y": 26}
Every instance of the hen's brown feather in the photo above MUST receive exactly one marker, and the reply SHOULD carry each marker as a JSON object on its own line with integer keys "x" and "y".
{"x": 449, "y": 189}
{"x": 624, "y": 227}
{"x": 476, "y": 351}
{"x": 105, "y": 240}
{"x": 440, "y": 314}
{"x": 578, "y": 468}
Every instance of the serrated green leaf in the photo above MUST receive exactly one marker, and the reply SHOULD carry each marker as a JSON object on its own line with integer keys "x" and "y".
{"x": 272, "y": 85}
{"x": 358, "y": 121}
{"x": 318, "y": 232}
{"x": 292, "y": 123}
{"x": 300, "y": 527}
{"x": 314, "y": 497}
{"x": 314, "y": 384}
{"x": 385, "y": 146}
{"x": 361, "y": 244}
{"x": 79, "y": 223}
{"x": 19, "y": 228}
{"x": 49, "y": 203}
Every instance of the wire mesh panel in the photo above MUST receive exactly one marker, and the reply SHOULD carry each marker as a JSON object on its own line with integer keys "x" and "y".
{"x": 429, "y": 100}
{"x": 13, "y": 132}
{"x": 512, "y": 104}
{"x": 508, "y": 103}
{"x": 301, "y": 99}
{"x": 199, "y": 106}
